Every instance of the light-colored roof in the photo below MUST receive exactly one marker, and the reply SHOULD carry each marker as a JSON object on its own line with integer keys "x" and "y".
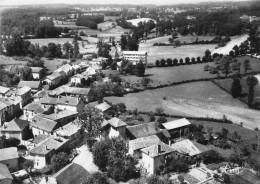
{"x": 134, "y": 52}
{"x": 37, "y": 108}
{"x": 8, "y": 153}
{"x": 48, "y": 100}
{"x": 144, "y": 142}
{"x": 103, "y": 106}
{"x": 53, "y": 76}
{"x": 77, "y": 91}
{"x": 186, "y": 147}
{"x": 42, "y": 123}
{"x": 158, "y": 149}
{"x": 36, "y": 69}
{"x": 60, "y": 115}
{"x": 176, "y": 124}
{"x": 16, "y": 125}
{"x": 31, "y": 84}
{"x": 4, "y": 90}
{"x": 68, "y": 130}
{"x": 115, "y": 122}
{"x": 4, "y": 172}
{"x": 23, "y": 90}
{"x": 41, "y": 94}
{"x": 65, "y": 68}
{"x": 52, "y": 143}
{"x": 71, "y": 174}
{"x": 67, "y": 100}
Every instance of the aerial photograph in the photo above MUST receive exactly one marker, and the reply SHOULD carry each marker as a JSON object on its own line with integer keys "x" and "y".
{"x": 130, "y": 92}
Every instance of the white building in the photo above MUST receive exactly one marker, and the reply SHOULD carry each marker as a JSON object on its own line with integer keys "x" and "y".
{"x": 135, "y": 56}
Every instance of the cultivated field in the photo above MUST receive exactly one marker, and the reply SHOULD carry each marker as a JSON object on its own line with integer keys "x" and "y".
{"x": 200, "y": 99}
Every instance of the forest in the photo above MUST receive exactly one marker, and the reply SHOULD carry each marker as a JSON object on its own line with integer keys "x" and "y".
{"x": 90, "y": 21}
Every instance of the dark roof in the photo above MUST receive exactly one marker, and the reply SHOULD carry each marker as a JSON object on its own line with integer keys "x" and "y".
{"x": 40, "y": 138}
{"x": 67, "y": 100}
{"x": 36, "y": 69}
{"x": 4, "y": 172}
{"x": 36, "y": 107}
{"x": 54, "y": 76}
{"x": 48, "y": 100}
{"x": 143, "y": 142}
{"x": 143, "y": 130}
{"x": 52, "y": 143}
{"x": 71, "y": 174}
{"x": 43, "y": 123}
{"x": 31, "y": 84}
{"x": 15, "y": 125}
{"x": 8, "y": 153}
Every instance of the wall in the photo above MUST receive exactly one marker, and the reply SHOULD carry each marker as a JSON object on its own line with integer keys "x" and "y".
{"x": 36, "y": 75}
{"x": 28, "y": 115}
{"x": 67, "y": 107}
{"x": 148, "y": 163}
{"x": 12, "y": 164}
{"x": 9, "y": 134}
{"x": 39, "y": 161}
{"x": 37, "y": 131}
{"x": 76, "y": 80}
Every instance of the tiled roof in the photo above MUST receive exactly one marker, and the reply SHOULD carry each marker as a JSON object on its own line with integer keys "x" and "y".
{"x": 143, "y": 142}
{"x": 43, "y": 123}
{"x": 53, "y": 76}
{"x": 71, "y": 174}
{"x": 115, "y": 122}
{"x": 8, "y": 153}
{"x": 48, "y": 100}
{"x": 4, "y": 90}
{"x": 41, "y": 94}
{"x": 36, "y": 69}
{"x": 77, "y": 91}
{"x": 40, "y": 138}
{"x": 67, "y": 100}
{"x": 186, "y": 147}
{"x": 52, "y": 143}
{"x": 23, "y": 90}
{"x": 15, "y": 125}
{"x": 60, "y": 115}
{"x": 158, "y": 149}
{"x": 4, "y": 172}
{"x": 103, "y": 106}
{"x": 68, "y": 130}
{"x": 176, "y": 124}
{"x": 143, "y": 130}
{"x": 65, "y": 68}
{"x": 36, "y": 107}
{"x": 31, "y": 84}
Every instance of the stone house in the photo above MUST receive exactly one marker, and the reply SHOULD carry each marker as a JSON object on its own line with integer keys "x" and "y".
{"x": 70, "y": 103}
{"x": 32, "y": 109}
{"x": 34, "y": 85}
{"x": 114, "y": 128}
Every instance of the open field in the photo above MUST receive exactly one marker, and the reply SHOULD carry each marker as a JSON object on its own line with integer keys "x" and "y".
{"x": 136, "y": 21}
{"x": 111, "y": 18}
{"x": 4, "y": 60}
{"x": 68, "y": 24}
{"x": 106, "y": 25}
{"x": 200, "y": 99}
{"x": 53, "y": 64}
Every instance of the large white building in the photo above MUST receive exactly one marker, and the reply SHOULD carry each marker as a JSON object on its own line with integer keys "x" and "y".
{"x": 135, "y": 56}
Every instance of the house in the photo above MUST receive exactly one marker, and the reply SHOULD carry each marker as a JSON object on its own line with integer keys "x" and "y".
{"x": 103, "y": 107}
{"x": 5, "y": 175}
{"x": 40, "y": 94}
{"x": 78, "y": 79}
{"x": 37, "y": 73}
{"x": 3, "y": 91}
{"x": 70, "y": 174}
{"x": 55, "y": 79}
{"x": 77, "y": 92}
{"x": 177, "y": 128}
{"x": 136, "y": 145}
{"x": 62, "y": 117}
{"x": 115, "y": 128}
{"x": 17, "y": 128}
{"x": 32, "y": 109}
{"x": 6, "y": 110}
{"x": 9, "y": 157}
{"x": 42, "y": 152}
{"x": 71, "y": 131}
{"x": 48, "y": 101}
{"x": 70, "y": 103}
{"x": 34, "y": 85}
{"x": 135, "y": 56}
{"x": 24, "y": 93}
{"x": 42, "y": 125}
{"x": 67, "y": 68}
{"x": 154, "y": 156}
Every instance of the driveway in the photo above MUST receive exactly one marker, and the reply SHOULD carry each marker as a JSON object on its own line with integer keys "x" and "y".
{"x": 85, "y": 159}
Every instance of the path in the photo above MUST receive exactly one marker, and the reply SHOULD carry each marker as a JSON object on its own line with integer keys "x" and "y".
{"x": 85, "y": 159}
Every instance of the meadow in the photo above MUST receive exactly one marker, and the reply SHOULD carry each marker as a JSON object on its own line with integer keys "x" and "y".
{"x": 4, "y": 60}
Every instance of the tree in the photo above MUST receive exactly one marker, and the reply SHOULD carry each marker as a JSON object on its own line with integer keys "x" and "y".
{"x": 231, "y": 53}
{"x": 100, "y": 152}
{"x": 97, "y": 178}
{"x": 140, "y": 69}
{"x": 181, "y": 61}
{"x": 90, "y": 119}
{"x": 145, "y": 81}
{"x": 25, "y": 73}
{"x": 236, "y": 88}
{"x": 12, "y": 142}
{"x": 246, "y": 65}
{"x": 207, "y": 55}
{"x": 67, "y": 48}
{"x": 123, "y": 42}
{"x": 156, "y": 179}
{"x": 187, "y": 60}
{"x": 226, "y": 178}
{"x": 163, "y": 62}
{"x": 162, "y": 120}
{"x": 103, "y": 49}
{"x": 225, "y": 64}
{"x": 169, "y": 62}
{"x": 252, "y": 81}
{"x": 175, "y": 62}
{"x": 58, "y": 161}
{"x": 198, "y": 59}
{"x": 157, "y": 63}
{"x": 211, "y": 156}
{"x": 75, "y": 46}
{"x": 193, "y": 60}
{"x": 159, "y": 110}
{"x": 28, "y": 165}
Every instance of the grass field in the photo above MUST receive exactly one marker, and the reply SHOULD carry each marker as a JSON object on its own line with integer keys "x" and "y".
{"x": 106, "y": 25}
{"x": 4, "y": 60}
{"x": 136, "y": 21}
{"x": 68, "y": 24}
{"x": 112, "y": 18}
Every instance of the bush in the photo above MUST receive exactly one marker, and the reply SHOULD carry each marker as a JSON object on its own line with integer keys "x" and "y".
{"x": 211, "y": 156}
{"x": 161, "y": 120}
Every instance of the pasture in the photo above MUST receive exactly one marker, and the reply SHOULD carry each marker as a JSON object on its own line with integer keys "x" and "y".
{"x": 198, "y": 99}
{"x": 106, "y": 25}
{"x": 5, "y": 60}
{"x": 136, "y": 21}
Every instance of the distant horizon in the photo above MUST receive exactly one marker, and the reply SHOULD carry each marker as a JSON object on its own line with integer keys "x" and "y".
{"x": 105, "y": 2}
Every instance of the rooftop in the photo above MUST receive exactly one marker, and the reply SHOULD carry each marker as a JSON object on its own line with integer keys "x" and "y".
{"x": 68, "y": 130}
{"x": 36, "y": 108}
{"x": 77, "y": 91}
{"x": 158, "y": 149}
{"x": 40, "y": 138}
{"x": 52, "y": 143}
{"x": 8, "y": 153}
{"x": 15, "y": 125}
{"x": 60, "y": 115}
{"x": 176, "y": 124}
{"x": 4, "y": 172}
{"x": 143, "y": 142}
{"x": 186, "y": 147}
{"x": 143, "y": 130}
{"x": 36, "y": 69}
{"x": 23, "y": 90}
{"x": 67, "y": 100}
{"x": 115, "y": 122}
{"x": 48, "y": 100}
{"x": 31, "y": 84}
{"x": 4, "y": 90}
{"x": 41, "y": 94}
{"x": 43, "y": 123}
{"x": 53, "y": 76}
{"x": 103, "y": 106}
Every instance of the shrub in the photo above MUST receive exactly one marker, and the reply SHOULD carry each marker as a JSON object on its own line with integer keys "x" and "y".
{"x": 161, "y": 120}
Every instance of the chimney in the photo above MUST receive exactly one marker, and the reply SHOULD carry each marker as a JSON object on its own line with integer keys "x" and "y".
{"x": 46, "y": 147}
{"x": 159, "y": 148}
